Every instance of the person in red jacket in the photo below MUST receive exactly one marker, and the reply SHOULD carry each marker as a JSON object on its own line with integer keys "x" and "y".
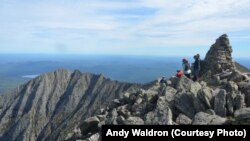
{"x": 179, "y": 73}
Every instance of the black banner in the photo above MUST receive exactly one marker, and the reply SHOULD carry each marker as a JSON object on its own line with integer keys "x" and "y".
{"x": 172, "y": 132}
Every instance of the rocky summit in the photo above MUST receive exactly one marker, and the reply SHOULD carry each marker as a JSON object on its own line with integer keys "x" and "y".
{"x": 73, "y": 106}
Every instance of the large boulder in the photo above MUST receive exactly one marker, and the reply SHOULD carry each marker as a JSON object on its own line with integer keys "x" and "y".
{"x": 169, "y": 94}
{"x": 220, "y": 103}
{"x": 184, "y": 104}
{"x": 236, "y": 76}
{"x": 205, "y": 96}
{"x": 112, "y": 117}
{"x": 90, "y": 126}
{"x": 162, "y": 114}
{"x": 244, "y": 87}
{"x": 232, "y": 87}
{"x": 230, "y": 103}
{"x": 193, "y": 101}
{"x": 239, "y": 101}
{"x": 183, "y": 120}
{"x": 202, "y": 118}
{"x": 133, "y": 121}
{"x": 185, "y": 84}
{"x": 242, "y": 116}
{"x": 124, "y": 111}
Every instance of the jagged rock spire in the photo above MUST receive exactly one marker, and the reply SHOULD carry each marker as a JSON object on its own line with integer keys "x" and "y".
{"x": 219, "y": 57}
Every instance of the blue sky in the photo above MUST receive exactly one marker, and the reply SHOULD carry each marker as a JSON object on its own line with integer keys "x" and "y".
{"x": 135, "y": 27}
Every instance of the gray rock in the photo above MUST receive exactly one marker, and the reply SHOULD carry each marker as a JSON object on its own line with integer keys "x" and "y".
{"x": 126, "y": 97}
{"x": 151, "y": 97}
{"x": 225, "y": 75}
{"x": 242, "y": 116}
{"x": 169, "y": 93}
{"x": 183, "y": 120}
{"x": 115, "y": 103}
{"x": 111, "y": 117}
{"x": 239, "y": 101}
{"x": 174, "y": 80}
{"x": 186, "y": 84}
{"x": 215, "y": 92}
{"x": 139, "y": 109}
{"x": 124, "y": 110}
{"x": 230, "y": 102}
{"x": 223, "y": 82}
{"x": 195, "y": 87}
{"x": 132, "y": 97}
{"x": 101, "y": 117}
{"x": 210, "y": 111}
{"x": 220, "y": 103}
{"x": 244, "y": 87}
{"x": 95, "y": 137}
{"x": 215, "y": 80}
{"x": 133, "y": 121}
{"x": 203, "y": 84}
{"x": 90, "y": 126}
{"x": 205, "y": 96}
{"x": 202, "y": 118}
{"x": 184, "y": 103}
{"x": 169, "y": 83}
{"x": 161, "y": 115}
{"x": 76, "y": 134}
{"x": 232, "y": 87}
{"x": 236, "y": 76}
{"x": 139, "y": 100}
{"x": 198, "y": 103}
{"x": 120, "y": 119}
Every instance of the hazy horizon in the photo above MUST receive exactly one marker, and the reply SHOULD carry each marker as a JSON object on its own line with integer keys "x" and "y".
{"x": 55, "y": 55}
{"x": 17, "y": 69}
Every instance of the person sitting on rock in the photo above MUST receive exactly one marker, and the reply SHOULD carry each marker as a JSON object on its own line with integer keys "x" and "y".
{"x": 197, "y": 67}
{"x": 179, "y": 73}
{"x": 186, "y": 68}
{"x": 163, "y": 80}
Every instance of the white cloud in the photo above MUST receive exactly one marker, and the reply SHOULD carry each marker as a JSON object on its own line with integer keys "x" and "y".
{"x": 163, "y": 23}
{"x": 198, "y": 20}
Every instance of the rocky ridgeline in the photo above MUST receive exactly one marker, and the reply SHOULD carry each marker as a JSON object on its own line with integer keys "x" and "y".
{"x": 179, "y": 102}
{"x": 51, "y": 105}
{"x": 221, "y": 97}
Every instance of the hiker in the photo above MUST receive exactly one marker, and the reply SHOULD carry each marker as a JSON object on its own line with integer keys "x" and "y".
{"x": 179, "y": 73}
{"x": 163, "y": 80}
{"x": 197, "y": 67}
{"x": 186, "y": 68}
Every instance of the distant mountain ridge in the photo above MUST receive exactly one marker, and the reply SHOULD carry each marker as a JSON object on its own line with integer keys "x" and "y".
{"x": 53, "y": 103}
